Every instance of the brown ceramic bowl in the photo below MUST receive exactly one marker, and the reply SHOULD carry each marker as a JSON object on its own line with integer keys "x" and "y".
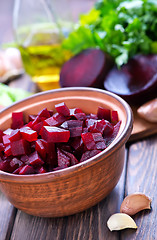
{"x": 68, "y": 191}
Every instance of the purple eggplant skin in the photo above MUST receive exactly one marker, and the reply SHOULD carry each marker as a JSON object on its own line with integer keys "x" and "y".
{"x": 136, "y": 81}
{"x": 86, "y": 69}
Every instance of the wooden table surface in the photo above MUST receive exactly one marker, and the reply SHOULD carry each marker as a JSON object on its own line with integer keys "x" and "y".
{"x": 139, "y": 175}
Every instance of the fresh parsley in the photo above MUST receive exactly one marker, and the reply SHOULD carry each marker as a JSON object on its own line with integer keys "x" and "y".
{"x": 120, "y": 28}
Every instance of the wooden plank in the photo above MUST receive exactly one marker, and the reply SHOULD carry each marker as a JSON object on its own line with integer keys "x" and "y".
{"x": 142, "y": 177}
{"x": 90, "y": 224}
{"x": 7, "y": 216}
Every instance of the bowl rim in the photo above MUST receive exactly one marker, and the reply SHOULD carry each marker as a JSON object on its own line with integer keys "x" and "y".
{"x": 52, "y": 176}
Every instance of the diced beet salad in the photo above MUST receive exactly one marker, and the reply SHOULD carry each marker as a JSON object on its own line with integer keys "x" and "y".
{"x": 55, "y": 140}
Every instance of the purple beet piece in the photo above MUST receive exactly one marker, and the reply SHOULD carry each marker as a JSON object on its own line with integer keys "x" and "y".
{"x": 101, "y": 145}
{"x": 26, "y": 170}
{"x": 98, "y": 126}
{"x": 104, "y": 113}
{"x": 51, "y": 113}
{"x": 1, "y": 135}
{"x": 20, "y": 147}
{"x": 15, "y": 135}
{"x": 2, "y": 147}
{"x": 7, "y": 150}
{"x": 44, "y": 113}
{"x": 15, "y": 163}
{"x": 73, "y": 159}
{"x": 88, "y": 140}
{"x": 90, "y": 122}
{"x": 114, "y": 117}
{"x": 25, "y": 159}
{"x": 135, "y": 81}
{"x": 17, "y": 120}
{"x": 87, "y": 69}
{"x": 5, "y": 165}
{"x": 74, "y": 126}
{"x": 40, "y": 148}
{"x": 73, "y": 111}
{"x": 7, "y": 131}
{"x": 40, "y": 170}
{"x": 80, "y": 116}
{"x": 77, "y": 143}
{"x": 6, "y": 140}
{"x": 35, "y": 159}
{"x": 63, "y": 159}
{"x": 56, "y": 120}
{"x": 29, "y": 134}
{"x": 88, "y": 154}
{"x": 32, "y": 117}
{"x": 62, "y": 109}
{"x": 51, "y": 155}
{"x": 17, "y": 170}
{"x": 37, "y": 127}
{"x": 55, "y": 134}
{"x": 64, "y": 146}
{"x": 108, "y": 129}
{"x": 109, "y": 138}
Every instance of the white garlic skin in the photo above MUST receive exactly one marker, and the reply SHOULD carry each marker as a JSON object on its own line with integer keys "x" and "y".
{"x": 120, "y": 221}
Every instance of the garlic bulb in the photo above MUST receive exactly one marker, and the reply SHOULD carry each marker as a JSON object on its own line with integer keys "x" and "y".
{"x": 148, "y": 111}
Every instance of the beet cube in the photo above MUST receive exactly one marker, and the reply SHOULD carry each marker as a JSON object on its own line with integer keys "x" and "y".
{"x": 5, "y": 165}
{"x": 80, "y": 116}
{"x": 104, "y": 113}
{"x": 88, "y": 140}
{"x": 7, "y": 131}
{"x": 37, "y": 127}
{"x": 2, "y": 147}
{"x": 101, "y": 145}
{"x": 17, "y": 120}
{"x": 97, "y": 137}
{"x": 63, "y": 159}
{"x": 35, "y": 159}
{"x": 25, "y": 159}
{"x": 90, "y": 122}
{"x": 98, "y": 126}
{"x": 59, "y": 118}
{"x": 88, "y": 154}
{"x": 51, "y": 122}
{"x": 74, "y": 126}
{"x": 109, "y": 138}
{"x": 40, "y": 170}
{"x": 32, "y": 117}
{"x": 15, "y": 135}
{"x": 55, "y": 134}
{"x": 62, "y": 109}
{"x": 114, "y": 117}
{"x": 7, "y": 150}
{"x": 56, "y": 120}
{"x": 26, "y": 170}
{"x": 20, "y": 147}
{"x": 17, "y": 170}
{"x": 15, "y": 163}
{"x": 77, "y": 144}
{"x": 39, "y": 147}
{"x": 73, "y": 111}
{"x": 6, "y": 140}
{"x": 108, "y": 129}
{"x": 1, "y": 134}
{"x": 44, "y": 113}
{"x": 29, "y": 134}
{"x": 73, "y": 159}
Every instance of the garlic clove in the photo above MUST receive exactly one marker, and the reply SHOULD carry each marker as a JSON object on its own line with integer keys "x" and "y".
{"x": 148, "y": 111}
{"x": 134, "y": 203}
{"x": 119, "y": 221}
